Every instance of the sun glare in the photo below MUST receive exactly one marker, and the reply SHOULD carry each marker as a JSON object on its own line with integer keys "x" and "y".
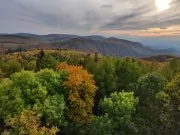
{"x": 163, "y": 4}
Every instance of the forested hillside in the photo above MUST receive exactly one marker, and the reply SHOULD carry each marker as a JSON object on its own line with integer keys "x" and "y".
{"x": 89, "y": 44}
{"x": 49, "y": 92}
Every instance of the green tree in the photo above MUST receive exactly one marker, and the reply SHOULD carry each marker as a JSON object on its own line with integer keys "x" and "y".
{"x": 128, "y": 71}
{"x": 30, "y": 65}
{"x": 162, "y": 120}
{"x": 10, "y": 67}
{"x": 45, "y": 61}
{"x": 1, "y": 75}
{"x": 173, "y": 90}
{"x": 148, "y": 113}
{"x": 147, "y": 86}
{"x": 31, "y": 90}
{"x": 40, "y": 57}
{"x": 53, "y": 110}
{"x": 105, "y": 77}
{"x": 90, "y": 65}
{"x": 49, "y": 62}
{"x": 101, "y": 125}
{"x": 120, "y": 108}
{"x": 171, "y": 68}
{"x": 10, "y": 99}
{"x": 28, "y": 90}
{"x": 53, "y": 81}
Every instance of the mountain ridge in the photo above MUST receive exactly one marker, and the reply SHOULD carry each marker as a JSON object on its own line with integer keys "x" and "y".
{"x": 94, "y": 43}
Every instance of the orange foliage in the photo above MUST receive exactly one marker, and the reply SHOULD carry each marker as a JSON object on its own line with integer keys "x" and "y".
{"x": 28, "y": 123}
{"x": 81, "y": 93}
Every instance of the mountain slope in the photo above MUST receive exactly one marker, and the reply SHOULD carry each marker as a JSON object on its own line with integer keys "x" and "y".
{"x": 89, "y": 44}
{"x": 106, "y": 47}
{"x": 49, "y": 38}
{"x": 16, "y": 41}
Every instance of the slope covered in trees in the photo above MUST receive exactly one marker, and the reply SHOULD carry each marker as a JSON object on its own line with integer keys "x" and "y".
{"x": 48, "y": 92}
{"x": 106, "y": 46}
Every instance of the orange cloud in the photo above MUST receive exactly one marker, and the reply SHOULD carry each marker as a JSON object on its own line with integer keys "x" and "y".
{"x": 169, "y": 31}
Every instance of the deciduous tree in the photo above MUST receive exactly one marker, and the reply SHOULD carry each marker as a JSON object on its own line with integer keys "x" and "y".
{"x": 120, "y": 108}
{"x": 81, "y": 93}
{"x": 28, "y": 123}
{"x": 128, "y": 71}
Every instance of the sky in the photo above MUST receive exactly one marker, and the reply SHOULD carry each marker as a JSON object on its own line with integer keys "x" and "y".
{"x": 149, "y": 21}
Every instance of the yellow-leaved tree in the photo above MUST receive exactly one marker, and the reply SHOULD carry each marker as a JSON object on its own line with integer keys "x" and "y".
{"x": 81, "y": 94}
{"x": 27, "y": 123}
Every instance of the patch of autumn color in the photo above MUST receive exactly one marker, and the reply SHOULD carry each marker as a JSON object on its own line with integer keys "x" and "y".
{"x": 19, "y": 58}
{"x": 161, "y": 66}
{"x": 63, "y": 66}
{"x": 152, "y": 64}
{"x": 28, "y": 123}
{"x": 81, "y": 93}
{"x": 145, "y": 62}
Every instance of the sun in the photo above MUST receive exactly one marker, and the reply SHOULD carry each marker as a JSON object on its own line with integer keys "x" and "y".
{"x": 162, "y": 4}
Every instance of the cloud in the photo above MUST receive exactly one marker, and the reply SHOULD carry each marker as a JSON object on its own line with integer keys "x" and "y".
{"x": 107, "y": 6}
{"x": 144, "y": 17}
{"x": 151, "y": 32}
{"x": 132, "y": 17}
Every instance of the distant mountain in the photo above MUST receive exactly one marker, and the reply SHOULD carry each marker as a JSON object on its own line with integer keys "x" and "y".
{"x": 18, "y": 41}
{"x": 109, "y": 46}
{"x": 95, "y": 37}
{"x": 49, "y": 38}
{"x": 94, "y": 43}
{"x": 60, "y": 37}
{"x": 25, "y": 34}
{"x": 167, "y": 51}
{"x": 169, "y": 47}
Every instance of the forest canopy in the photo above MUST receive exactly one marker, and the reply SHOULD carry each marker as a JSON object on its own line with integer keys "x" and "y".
{"x": 49, "y": 92}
